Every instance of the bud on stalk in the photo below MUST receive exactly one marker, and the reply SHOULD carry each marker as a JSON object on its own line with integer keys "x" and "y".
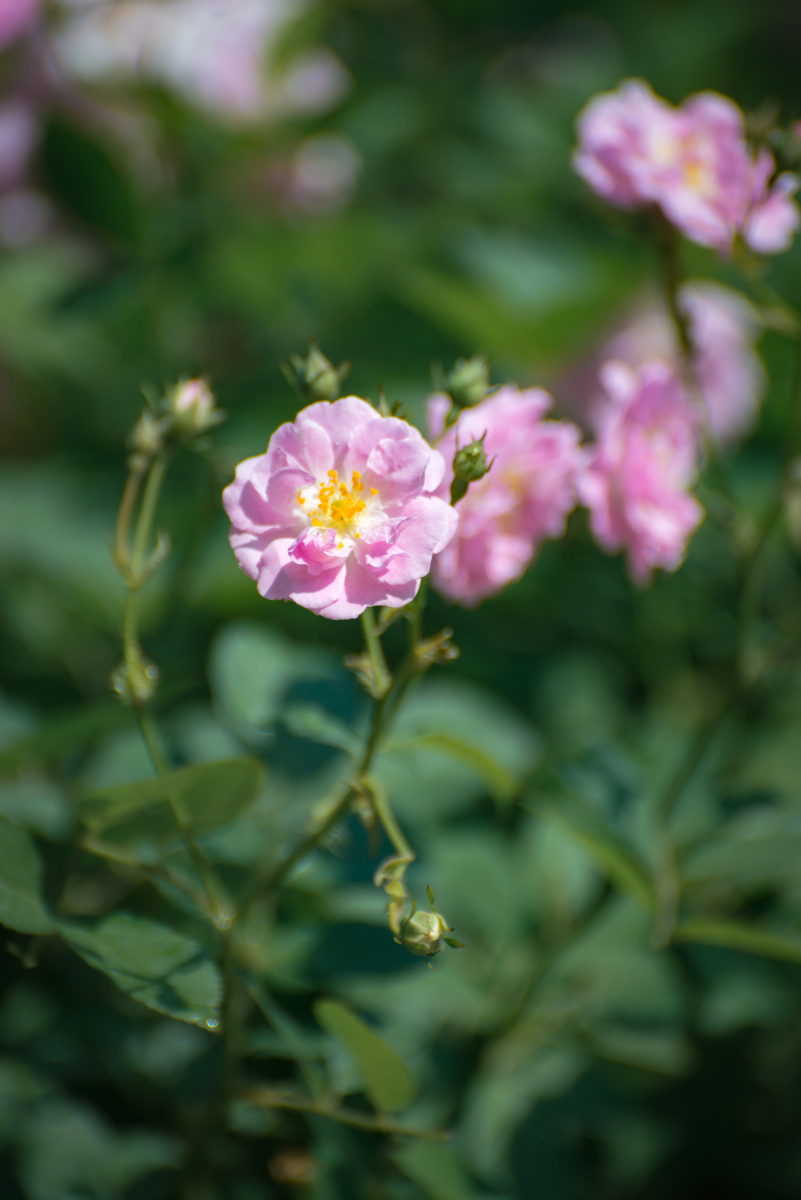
{"x": 314, "y": 377}
{"x": 469, "y": 465}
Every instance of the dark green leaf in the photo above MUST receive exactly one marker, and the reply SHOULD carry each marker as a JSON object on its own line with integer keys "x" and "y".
{"x": 21, "y": 903}
{"x": 161, "y": 968}
{"x": 387, "y": 1080}
{"x": 86, "y": 179}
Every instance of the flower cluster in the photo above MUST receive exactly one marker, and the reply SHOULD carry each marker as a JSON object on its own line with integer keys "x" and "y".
{"x": 349, "y": 509}
{"x": 342, "y": 512}
{"x": 522, "y": 500}
{"x": 693, "y": 162}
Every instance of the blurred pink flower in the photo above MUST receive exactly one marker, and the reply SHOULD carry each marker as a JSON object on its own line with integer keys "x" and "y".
{"x": 692, "y": 161}
{"x": 723, "y": 328}
{"x": 19, "y": 130}
{"x": 214, "y": 53}
{"x": 340, "y": 513}
{"x": 15, "y": 17}
{"x": 525, "y": 497}
{"x": 637, "y": 478}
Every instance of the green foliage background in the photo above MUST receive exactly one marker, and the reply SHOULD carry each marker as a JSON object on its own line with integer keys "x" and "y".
{"x": 572, "y": 1054}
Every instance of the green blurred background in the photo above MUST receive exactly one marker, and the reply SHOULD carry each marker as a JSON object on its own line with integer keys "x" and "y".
{"x": 444, "y": 220}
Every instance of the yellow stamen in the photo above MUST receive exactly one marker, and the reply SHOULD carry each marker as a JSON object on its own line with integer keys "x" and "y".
{"x": 337, "y": 506}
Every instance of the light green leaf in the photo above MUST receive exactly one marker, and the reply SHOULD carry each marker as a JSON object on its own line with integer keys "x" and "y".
{"x": 503, "y": 785}
{"x": 586, "y": 827}
{"x": 452, "y": 742}
{"x": 737, "y": 935}
{"x": 137, "y": 819}
{"x": 313, "y": 722}
{"x": 435, "y": 1170}
{"x": 387, "y": 1080}
{"x": 157, "y": 966}
{"x": 21, "y": 902}
{"x": 250, "y": 670}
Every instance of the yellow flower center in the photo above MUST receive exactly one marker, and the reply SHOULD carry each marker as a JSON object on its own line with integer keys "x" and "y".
{"x": 339, "y": 506}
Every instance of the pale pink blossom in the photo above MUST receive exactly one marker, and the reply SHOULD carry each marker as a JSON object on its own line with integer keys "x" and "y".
{"x": 15, "y": 17}
{"x": 637, "y": 479}
{"x": 19, "y": 132}
{"x": 723, "y": 328}
{"x": 524, "y": 498}
{"x": 340, "y": 513}
{"x": 692, "y": 161}
{"x": 214, "y": 53}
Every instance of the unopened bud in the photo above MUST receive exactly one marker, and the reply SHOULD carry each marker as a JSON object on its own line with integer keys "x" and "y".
{"x": 315, "y": 377}
{"x": 469, "y": 465}
{"x": 145, "y": 440}
{"x": 190, "y": 405}
{"x": 425, "y": 933}
{"x": 468, "y": 383}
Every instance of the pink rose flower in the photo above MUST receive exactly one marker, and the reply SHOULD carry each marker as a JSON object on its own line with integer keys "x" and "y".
{"x": 692, "y": 161}
{"x": 637, "y": 478}
{"x": 340, "y": 513}
{"x": 524, "y": 498}
{"x": 15, "y": 17}
{"x": 723, "y": 328}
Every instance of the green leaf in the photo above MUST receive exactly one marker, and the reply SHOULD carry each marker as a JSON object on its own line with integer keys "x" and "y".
{"x": 583, "y": 825}
{"x": 435, "y": 1170}
{"x": 387, "y": 1080}
{"x": 503, "y": 785}
{"x": 21, "y": 903}
{"x": 138, "y": 818}
{"x": 737, "y": 935}
{"x": 315, "y": 723}
{"x": 250, "y": 670}
{"x": 452, "y": 742}
{"x": 163, "y": 969}
{"x": 87, "y": 180}
{"x": 69, "y": 1150}
{"x": 62, "y": 733}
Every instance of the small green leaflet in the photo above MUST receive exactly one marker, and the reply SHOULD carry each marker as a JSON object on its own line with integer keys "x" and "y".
{"x": 387, "y": 1080}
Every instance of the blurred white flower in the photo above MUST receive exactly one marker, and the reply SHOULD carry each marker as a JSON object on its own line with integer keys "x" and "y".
{"x": 213, "y": 53}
